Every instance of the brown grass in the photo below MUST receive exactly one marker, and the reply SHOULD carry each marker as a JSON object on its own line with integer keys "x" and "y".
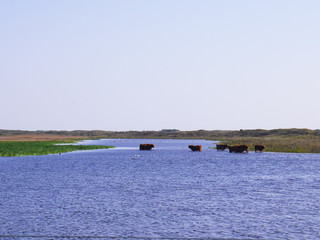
{"x": 295, "y": 145}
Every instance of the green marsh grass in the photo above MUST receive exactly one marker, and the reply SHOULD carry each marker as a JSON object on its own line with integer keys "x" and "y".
{"x": 12, "y": 149}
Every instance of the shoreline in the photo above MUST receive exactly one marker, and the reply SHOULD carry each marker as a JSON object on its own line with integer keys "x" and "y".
{"x": 277, "y": 140}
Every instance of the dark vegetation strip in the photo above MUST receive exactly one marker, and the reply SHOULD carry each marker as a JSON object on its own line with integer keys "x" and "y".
{"x": 12, "y": 149}
{"x": 171, "y": 133}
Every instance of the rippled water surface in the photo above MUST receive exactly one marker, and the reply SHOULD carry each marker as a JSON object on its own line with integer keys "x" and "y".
{"x": 167, "y": 192}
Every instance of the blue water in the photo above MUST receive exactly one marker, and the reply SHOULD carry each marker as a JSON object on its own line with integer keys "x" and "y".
{"x": 167, "y": 192}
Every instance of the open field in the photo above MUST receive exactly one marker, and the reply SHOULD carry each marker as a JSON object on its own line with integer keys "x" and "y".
{"x": 12, "y": 149}
{"x": 276, "y": 140}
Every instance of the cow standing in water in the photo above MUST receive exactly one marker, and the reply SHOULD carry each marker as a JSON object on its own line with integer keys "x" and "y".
{"x": 195, "y": 148}
{"x": 259, "y": 148}
{"x": 146, "y": 146}
{"x": 221, "y": 147}
{"x": 239, "y": 148}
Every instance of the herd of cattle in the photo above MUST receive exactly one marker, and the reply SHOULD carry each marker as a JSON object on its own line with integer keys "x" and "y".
{"x": 220, "y": 147}
{"x": 239, "y": 148}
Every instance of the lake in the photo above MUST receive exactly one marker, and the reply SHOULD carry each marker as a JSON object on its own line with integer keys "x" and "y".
{"x": 169, "y": 191}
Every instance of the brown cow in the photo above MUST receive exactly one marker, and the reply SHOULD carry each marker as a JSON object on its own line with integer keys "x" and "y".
{"x": 221, "y": 147}
{"x": 239, "y": 148}
{"x": 259, "y": 148}
{"x": 195, "y": 148}
{"x": 146, "y": 146}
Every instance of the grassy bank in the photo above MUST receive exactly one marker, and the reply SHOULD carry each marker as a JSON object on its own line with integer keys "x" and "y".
{"x": 25, "y": 148}
{"x": 280, "y": 144}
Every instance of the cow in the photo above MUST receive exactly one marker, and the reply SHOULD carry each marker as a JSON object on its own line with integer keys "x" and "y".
{"x": 221, "y": 147}
{"x": 197, "y": 148}
{"x": 259, "y": 148}
{"x": 146, "y": 146}
{"x": 239, "y": 148}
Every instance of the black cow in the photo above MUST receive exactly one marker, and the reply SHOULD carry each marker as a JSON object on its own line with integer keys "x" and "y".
{"x": 259, "y": 148}
{"x": 221, "y": 147}
{"x": 146, "y": 146}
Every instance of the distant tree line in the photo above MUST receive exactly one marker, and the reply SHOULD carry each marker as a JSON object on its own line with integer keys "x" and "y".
{"x": 174, "y": 133}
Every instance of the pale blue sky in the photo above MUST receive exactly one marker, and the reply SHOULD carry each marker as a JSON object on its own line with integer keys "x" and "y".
{"x": 149, "y": 65}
